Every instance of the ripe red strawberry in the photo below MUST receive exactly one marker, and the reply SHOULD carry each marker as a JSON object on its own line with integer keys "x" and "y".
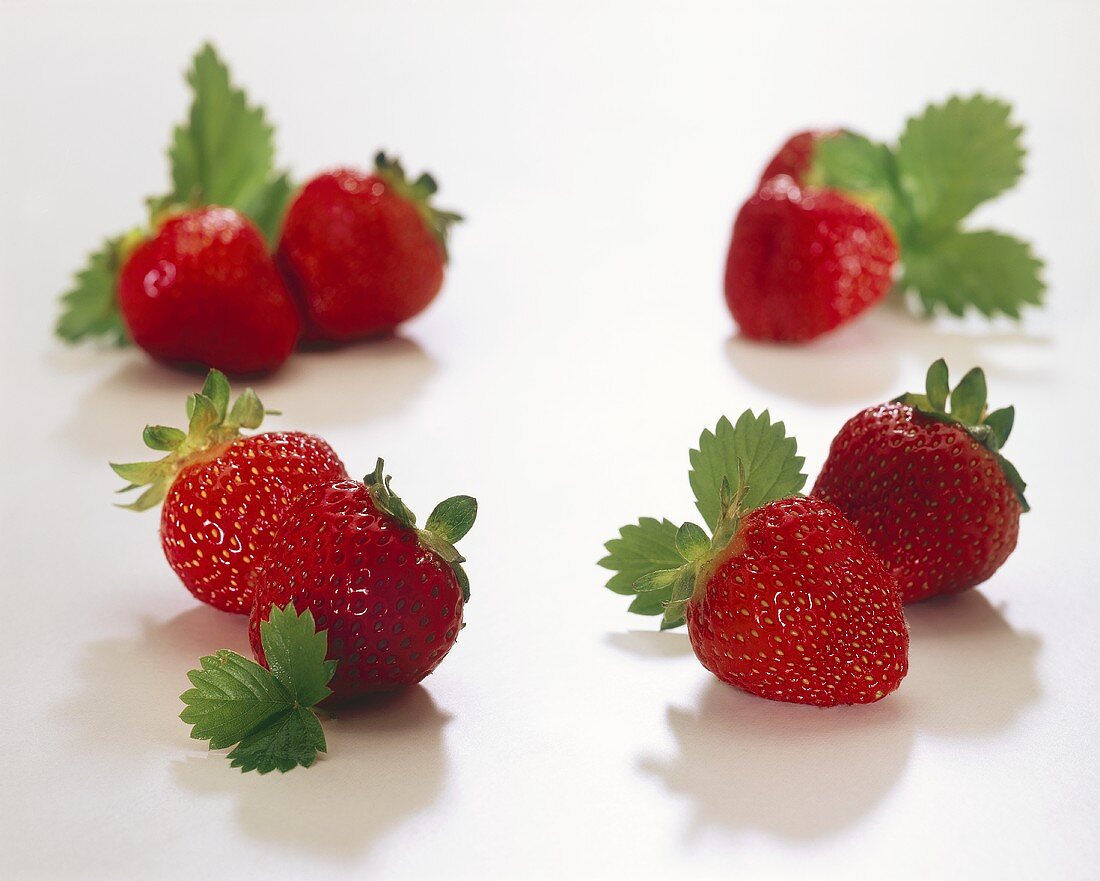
{"x": 390, "y": 595}
{"x": 364, "y": 252}
{"x": 795, "y": 156}
{"x": 929, "y": 486}
{"x": 803, "y": 260}
{"x": 204, "y": 290}
{"x": 786, "y": 599}
{"x": 224, "y": 495}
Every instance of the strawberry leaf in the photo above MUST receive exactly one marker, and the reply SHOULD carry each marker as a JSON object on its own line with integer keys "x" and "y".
{"x": 225, "y": 152}
{"x": 90, "y": 309}
{"x": 865, "y": 170}
{"x": 955, "y": 156}
{"x": 646, "y": 546}
{"x": 265, "y": 712}
{"x": 989, "y": 271}
{"x": 755, "y": 447}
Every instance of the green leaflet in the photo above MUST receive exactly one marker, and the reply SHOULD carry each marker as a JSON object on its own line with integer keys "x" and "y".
{"x": 266, "y": 713}
{"x": 89, "y": 308}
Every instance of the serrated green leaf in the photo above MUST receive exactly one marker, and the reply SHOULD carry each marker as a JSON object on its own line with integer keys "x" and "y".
{"x": 452, "y": 518}
{"x": 295, "y": 654}
{"x": 90, "y": 308}
{"x": 769, "y": 459}
{"x": 232, "y": 697}
{"x": 988, "y": 271}
{"x": 236, "y": 701}
{"x": 643, "y": 547}
{"x": 865, "y": 170}
{"x": 692, "y": 541}
{"x": 937, "y": 385}
{"x": 1000, "y": 423}
{"x": 224, "y": 153}
{"x": 968, "y": 397}
{"x": 956, "y": 155}
{"x": 286, "y": 741}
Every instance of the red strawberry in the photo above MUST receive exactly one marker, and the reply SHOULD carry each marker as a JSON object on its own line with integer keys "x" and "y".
{"x": 364, "y": 252}
{"x": 929, "y": 487}
{"x": 204, "y": 290}
{"x": 224, "y": 495}
{"x": 390, "y": 595}
{"x": 786, "y": 600}
{"x": 803, "y": 260}
{"x": 795, "y": 156}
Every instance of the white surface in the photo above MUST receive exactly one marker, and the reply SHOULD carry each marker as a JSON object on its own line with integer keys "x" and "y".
{"x": 580, "y": 346}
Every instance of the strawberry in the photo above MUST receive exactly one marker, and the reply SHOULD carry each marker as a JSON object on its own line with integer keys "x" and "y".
{"x": 197, "y": 284}
{"x": 390, "y": 595}
{"x": 204, "y": 290}
{"x": 224, "y": 495}
{"x": 795, "y": 157}
{"x": 785, "y": 598}
{"x": 364, "y": 252}
{"x": 928, "y": 485}
{"x": 803, "y": 260}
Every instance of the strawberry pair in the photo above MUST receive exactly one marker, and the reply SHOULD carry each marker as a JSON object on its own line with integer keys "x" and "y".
{"x": 272, "y": 520}
{"x": 797, "y": 598}
{"x": 835, "y": 214}
{"x": 357, "y": 253}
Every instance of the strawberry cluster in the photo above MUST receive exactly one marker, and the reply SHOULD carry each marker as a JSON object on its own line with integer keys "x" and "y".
{"x": 838, "y": 221}
{"x": 799, "y": 598}
{"x": 356, "y": 253}
{"x": 346, "y": 595}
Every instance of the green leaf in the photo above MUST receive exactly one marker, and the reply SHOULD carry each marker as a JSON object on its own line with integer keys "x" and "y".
{"x": 216, "y": 388}
{"x": 452, "y": 518}
{"x": 769, "y": 459}
{"x": 247, "y": 410}
{"x": 138, "y": 473}
{"x": 204, "y": 415}
{"x": 162, "y": 437}
{"x": 862, "y": 168}
{"x": 969, "y": 397}
{"x": 955, "y": 156}
{"x": 989, "y": 271}
{"x": 382, "y": 494}
{"x": 90, "y": 308}
{"x": 1000, "y": 423}
{"x": 661, "y": 579}
{"x": 641, "y": 548}
{"x": 295, "y": 654}
{"x": 268, "y": 207}
{"x": 224, "y": 153}
{"x": 236, "y": 701}
{"x": 937, "y": 385}
{"x": 292, "y": 738}
{"x": 692, "y": 542}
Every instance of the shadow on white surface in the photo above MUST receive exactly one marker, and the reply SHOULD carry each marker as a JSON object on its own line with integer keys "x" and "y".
{"x": 802, "y": 772}
{"x": 316, "y": 389}
{"x": 862, "y": 363}
{"x": 392, "y": 765}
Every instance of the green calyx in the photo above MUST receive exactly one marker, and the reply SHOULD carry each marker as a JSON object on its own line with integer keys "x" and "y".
{"x": 737, "y": 468}
{"x": 419, "y": 192}
{"x": 965, "y": 406}
{"x": 450, "y": 520}
{"x": 212, "y": 423}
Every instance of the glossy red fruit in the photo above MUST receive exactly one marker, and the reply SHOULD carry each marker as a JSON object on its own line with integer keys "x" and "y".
{"x": 204, "y": 290}
{"x": 390, "y": 595}
{"x": 225, "y": 495}
{"x": 933, "y": 495}
{"x": 364, "y": 252}
{"x": 801, "y": 609}
{"x": 795, "y": 156}
{"x": 802, "y": 261}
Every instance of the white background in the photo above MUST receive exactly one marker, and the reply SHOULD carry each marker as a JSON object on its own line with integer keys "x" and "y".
{"x": 580, "y": 345}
